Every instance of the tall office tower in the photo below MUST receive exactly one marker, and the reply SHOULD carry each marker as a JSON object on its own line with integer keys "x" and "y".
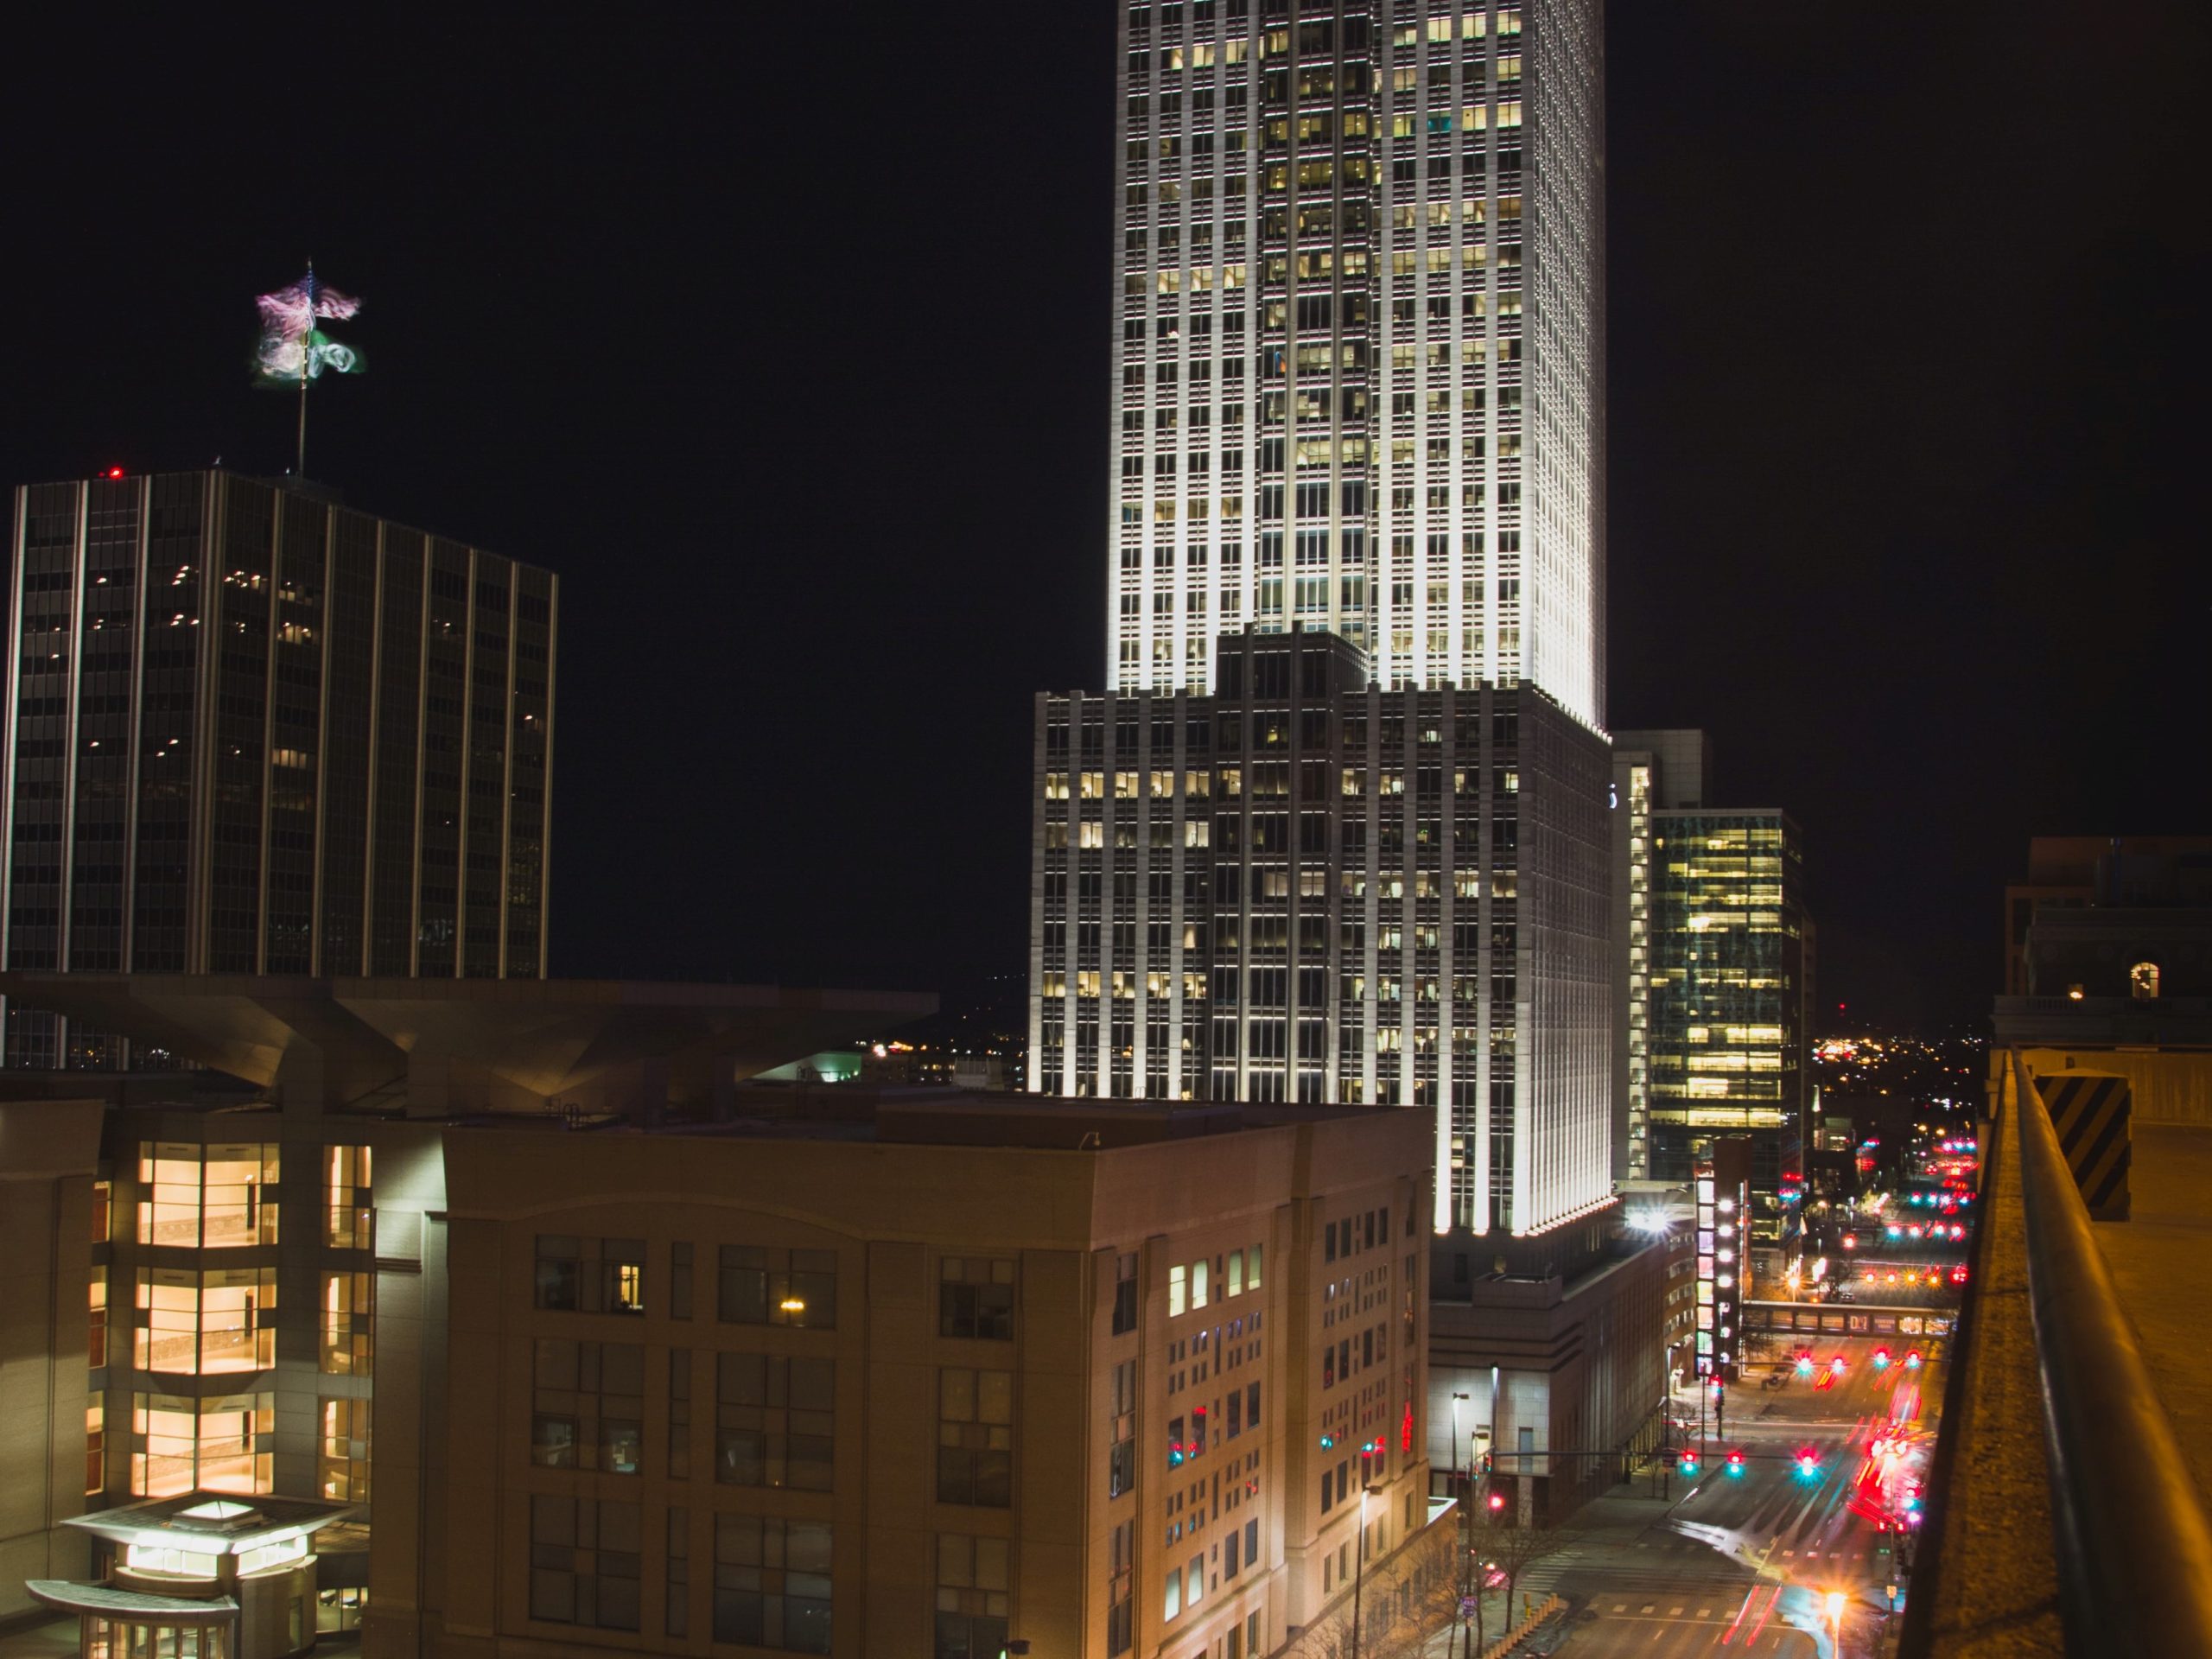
{"x": 248, "y": 730}
{"x": 1360, "y": 363}
{"x": 1729, "y": 1001}
{"x": 1657, "y": 771}
{"x": 1311, "y": 888}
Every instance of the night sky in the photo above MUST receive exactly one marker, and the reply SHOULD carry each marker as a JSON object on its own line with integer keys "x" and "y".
{"x": 785, "y": 343}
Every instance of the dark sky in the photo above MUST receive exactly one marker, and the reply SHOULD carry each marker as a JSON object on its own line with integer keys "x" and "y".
{"x": 787, "y": 348}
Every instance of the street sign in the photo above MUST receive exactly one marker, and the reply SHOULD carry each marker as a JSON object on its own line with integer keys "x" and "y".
{"x": 1468, "y": 1605}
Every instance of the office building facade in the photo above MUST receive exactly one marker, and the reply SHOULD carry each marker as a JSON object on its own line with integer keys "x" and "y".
{"x": 1309, "y": 887}
{"x": 689, "y": 1363}
{"x": 248, "y": 730}
{"x": 1359, "y": 370}
{"x": 1729, "y": 1008}
{"x": 1653, "y": 771}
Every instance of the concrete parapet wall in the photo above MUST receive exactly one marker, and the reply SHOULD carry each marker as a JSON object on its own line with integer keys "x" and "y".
{"x": 2170, "y": 1085}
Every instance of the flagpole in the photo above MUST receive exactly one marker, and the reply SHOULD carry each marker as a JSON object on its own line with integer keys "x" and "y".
{"x": 307, "y": 351}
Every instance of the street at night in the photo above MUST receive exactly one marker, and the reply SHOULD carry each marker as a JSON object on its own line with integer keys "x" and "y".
{"x": 1745, "y": 1555}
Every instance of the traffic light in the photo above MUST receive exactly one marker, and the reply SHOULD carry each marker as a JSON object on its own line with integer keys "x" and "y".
{"x": 1912, "y": 1359}
{"x": 1687, "y": 1462}
{"x": 1881, "y": 1359}
{"x": 1735, "y": 1465}
{"x": 1804, "y": 1364}
{"x": 1835, "y": 1366}
{"x": 1808, "y": 1465}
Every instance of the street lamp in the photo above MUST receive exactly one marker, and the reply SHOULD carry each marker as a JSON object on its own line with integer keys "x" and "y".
{"x": 1359, "y": 1565}
{"x": 1466, "y": 1494}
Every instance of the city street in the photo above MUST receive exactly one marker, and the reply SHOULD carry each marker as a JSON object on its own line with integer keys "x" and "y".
{"x": 1743, "y": 1561}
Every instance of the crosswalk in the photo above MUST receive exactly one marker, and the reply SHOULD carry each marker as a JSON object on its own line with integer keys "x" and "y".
{"x": 1677, "y": 1567}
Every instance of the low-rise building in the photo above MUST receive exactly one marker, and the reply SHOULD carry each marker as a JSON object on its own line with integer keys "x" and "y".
{"x": 606, "y": 1351}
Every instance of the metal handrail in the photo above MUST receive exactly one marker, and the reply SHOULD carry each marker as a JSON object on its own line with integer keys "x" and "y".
{"x": 2134, "y": 1546}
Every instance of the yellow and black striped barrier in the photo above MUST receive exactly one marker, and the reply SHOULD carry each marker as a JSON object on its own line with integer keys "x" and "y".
{"x": 2090, "y": 1112}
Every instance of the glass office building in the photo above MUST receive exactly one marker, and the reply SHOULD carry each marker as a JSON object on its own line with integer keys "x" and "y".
{"x": 1729, "y": 965}
{"x": 250, "y": 730}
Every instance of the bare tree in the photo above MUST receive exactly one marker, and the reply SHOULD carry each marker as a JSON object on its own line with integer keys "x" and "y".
{"x": 1515, "y": 1549}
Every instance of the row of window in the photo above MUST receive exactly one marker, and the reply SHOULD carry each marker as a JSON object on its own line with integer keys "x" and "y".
{"x": 224, "y": 1321}
{"x": 1188, "y": 1288}
{"x": 754, "y": 1285}
{"x": 222, "y": 1197}
{"x": 771, "y": 1576}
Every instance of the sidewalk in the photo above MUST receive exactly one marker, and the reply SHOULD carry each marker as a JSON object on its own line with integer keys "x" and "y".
{"x": 1450, "y": 1644}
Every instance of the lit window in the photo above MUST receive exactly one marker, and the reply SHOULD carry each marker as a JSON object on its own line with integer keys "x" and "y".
{"x": 345, "y": 1196}
{"x": 206, "y": 1197}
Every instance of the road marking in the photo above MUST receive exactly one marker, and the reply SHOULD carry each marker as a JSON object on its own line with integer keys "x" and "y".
{"x": 1620, "y": 1606}
{"x": 1674, "y": 1612}
{"x": 1705, "y": 1613}
{"x": 1649, "y": 1607}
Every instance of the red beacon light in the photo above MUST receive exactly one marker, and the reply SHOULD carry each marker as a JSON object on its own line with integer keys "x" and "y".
{"x": 112, "y": 472}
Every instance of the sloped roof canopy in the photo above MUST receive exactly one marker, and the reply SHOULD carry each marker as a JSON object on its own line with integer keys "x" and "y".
{"x": 543, "y": 1036}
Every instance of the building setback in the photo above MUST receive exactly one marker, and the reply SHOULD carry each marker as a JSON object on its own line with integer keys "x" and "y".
{"x": 1360, "y": 370}
{"x": 1653, "y": 771}
{"x": 249, "y": 730}
{"x": 1307, "y": 888}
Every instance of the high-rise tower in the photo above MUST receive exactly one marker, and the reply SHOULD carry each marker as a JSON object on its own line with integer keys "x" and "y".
{"x": 1338, "y": 831}
{"x": 1360, "y": 371}
{"x": 250, "y": 731}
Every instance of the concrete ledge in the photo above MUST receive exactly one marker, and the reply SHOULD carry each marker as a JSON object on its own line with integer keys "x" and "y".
{"x": 1986, "y": 1583}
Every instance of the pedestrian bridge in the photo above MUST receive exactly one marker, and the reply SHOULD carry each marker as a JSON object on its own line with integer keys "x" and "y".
{"x": 1847, "y": 1319}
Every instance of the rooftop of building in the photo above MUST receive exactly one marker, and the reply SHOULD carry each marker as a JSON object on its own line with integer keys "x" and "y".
{"x": 2125, "y": 870}
{"x": 494, "y": 1044}
{"x": 320, "y": 491}
{"x": 943, "y": 1116}
{"x": 213, "y": 1523}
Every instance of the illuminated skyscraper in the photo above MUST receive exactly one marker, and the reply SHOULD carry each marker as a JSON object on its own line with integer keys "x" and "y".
{"x": 250, "y": 731}
{"x": 1307, "y": 888}
{"x": 1360, "y": 371}
{"x": 1360, "y": 403}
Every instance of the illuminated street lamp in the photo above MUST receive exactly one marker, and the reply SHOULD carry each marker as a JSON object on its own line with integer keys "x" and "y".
{"x": 1359, "y": 1570}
